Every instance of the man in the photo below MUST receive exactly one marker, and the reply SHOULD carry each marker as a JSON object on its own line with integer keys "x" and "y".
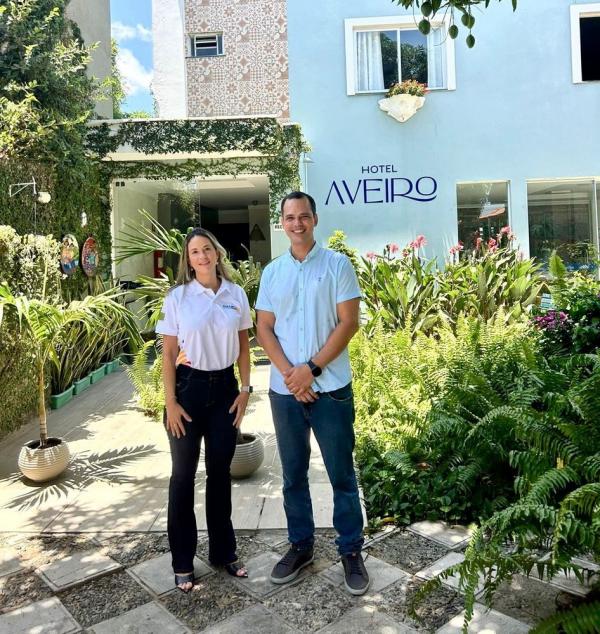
{"x": 308, "y": 310}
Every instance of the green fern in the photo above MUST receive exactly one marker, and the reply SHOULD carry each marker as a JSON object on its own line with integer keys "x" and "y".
{"x": 147, "y": 381}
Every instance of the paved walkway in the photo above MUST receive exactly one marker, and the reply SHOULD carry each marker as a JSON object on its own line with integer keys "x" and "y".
{"x": 119, "y": 475}
{"x": 89, "y": 551}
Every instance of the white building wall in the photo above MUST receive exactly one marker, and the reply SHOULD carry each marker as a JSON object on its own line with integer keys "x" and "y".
{"x": 93, "y": 19}
{"x": 168, "y": 84}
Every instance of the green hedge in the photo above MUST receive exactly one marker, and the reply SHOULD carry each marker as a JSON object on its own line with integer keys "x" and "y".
{"x": 73, "y": 192}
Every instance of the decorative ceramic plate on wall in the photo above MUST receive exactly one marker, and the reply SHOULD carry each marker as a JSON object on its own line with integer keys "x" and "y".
{"x": 69, "y": 254}
{"x": 90, "y": 257}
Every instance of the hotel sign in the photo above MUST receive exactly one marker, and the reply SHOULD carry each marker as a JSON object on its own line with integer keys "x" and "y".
{"x": 381, "y": 186}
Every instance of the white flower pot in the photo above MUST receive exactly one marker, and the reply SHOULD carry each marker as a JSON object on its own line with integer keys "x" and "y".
{"x": 401, "y": 107}
{"x": 44, "y": 464}
{"x": 248, "y": 456}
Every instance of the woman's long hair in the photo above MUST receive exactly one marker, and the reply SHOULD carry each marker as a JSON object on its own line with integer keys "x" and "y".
{"x": 185, "y": 272}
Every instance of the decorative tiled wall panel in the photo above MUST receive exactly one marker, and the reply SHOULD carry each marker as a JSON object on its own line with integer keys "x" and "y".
{"x": 252, "y": 76}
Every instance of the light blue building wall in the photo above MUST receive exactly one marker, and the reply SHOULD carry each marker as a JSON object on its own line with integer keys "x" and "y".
{"x": 515, "y": 115}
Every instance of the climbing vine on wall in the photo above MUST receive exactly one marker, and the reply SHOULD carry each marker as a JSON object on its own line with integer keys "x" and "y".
{"x": 275, "y": 148}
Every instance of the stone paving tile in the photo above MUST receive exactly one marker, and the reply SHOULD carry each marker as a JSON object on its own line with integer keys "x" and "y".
{"x": 48, "y": 616}
{"x": 437, "y": 608}
{"x": 526, "y": 599}
{"x": 437, "y": 567}
{"x": 20, "y": 589}
{"x": 366, "y": 620}
{"x": 212, "y": 600}
{"x": 381, "y": 574}
{"x": 10, "y": 562}
{"x": 570, "y": 583}
{"x": 409, "y": 551}
{"x": 104, "y": 598}
{"x": 309, "y": 605}
{"x": 273, "y": 538}
{"x": 485, "y": 621}
{"x": 247, "y": 547}
{"x": 132, "y": 549}
{"x": 444, "y": 534}
{"x": 76, "y": 568}
{"x": 259, "y": 572}
{"x": 38, "y": 550}
{"x": 157, "y": 574}
{"x": 149, "y": 618}
{"x": 254, "y": 620}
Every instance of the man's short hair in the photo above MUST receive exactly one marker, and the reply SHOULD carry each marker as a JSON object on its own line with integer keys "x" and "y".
{"x": 297, "y": 196}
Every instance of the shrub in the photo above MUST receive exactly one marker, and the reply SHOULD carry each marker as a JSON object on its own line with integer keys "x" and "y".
{"x": 555, "y": 517}
{"x": 147, "y": 381}
{"x": 489, "y": 279}
{"x": 435, "y": 417}
{"x": 337, "y": 242}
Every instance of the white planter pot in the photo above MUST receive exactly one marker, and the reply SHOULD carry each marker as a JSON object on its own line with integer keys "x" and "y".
{"x": 44, "y": 464}
{"x": 401, "y": 107}
{"x": 248, "y": 456}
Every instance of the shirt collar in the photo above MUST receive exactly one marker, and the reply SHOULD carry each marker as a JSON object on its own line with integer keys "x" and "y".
{"x": 309, "y": 256}
{"x": 197, "y": 289}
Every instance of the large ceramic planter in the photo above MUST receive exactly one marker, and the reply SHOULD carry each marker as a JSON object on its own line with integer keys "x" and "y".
{"x": 248, "y": 456}
{"x": 44, "y": 464}
{"x": 401, "y": 107}
{"x": 81, "y": 385}
{"x": 58, "y": 400}
{"x": 98, "y": 374}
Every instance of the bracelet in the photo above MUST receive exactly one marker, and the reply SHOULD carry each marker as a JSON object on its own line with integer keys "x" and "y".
{"x": 246, "y": 388}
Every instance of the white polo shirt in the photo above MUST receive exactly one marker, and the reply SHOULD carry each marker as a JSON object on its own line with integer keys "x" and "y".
{"x": 205, "y": 323}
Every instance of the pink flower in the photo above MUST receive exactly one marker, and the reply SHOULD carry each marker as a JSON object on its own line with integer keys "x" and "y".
{"x": 505, "y": 230}
{"x": 492, "y": 245}
{"x": 418, "y": 242}
{"x": 406, "y": 252}
{"x": 393, "y": 247}
{"x": 371, "y": 256}
{"x": 457, "y": 248}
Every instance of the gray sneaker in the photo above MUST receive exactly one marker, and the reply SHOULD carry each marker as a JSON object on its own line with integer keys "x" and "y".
{"x": 288, "y": 567}
{"x": 356, "y": 577}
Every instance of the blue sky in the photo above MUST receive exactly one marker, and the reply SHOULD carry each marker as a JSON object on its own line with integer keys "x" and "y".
{"x": 131, "y": 22}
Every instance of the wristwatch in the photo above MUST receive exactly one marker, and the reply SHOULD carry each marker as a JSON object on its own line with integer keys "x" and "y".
{"x": 314, "y": 368}
{"x": 246, "y": 388}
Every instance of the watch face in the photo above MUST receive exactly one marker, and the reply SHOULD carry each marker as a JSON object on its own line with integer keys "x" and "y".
{"x": 315, "y": 369}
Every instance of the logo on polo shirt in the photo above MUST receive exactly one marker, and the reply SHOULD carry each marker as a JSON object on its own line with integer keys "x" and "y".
{"x": 230, "y": 306}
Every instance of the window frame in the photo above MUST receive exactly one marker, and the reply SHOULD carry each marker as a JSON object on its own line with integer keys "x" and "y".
{"x": 218, "y": 35}
{"x": 578, "y": 11}
{"x": 392, "y": 23}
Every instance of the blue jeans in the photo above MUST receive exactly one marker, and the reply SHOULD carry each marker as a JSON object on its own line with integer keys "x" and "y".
{"x": 331, "y": 418}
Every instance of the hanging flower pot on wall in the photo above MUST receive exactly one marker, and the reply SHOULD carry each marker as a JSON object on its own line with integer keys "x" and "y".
{"x": 403, "y": 100}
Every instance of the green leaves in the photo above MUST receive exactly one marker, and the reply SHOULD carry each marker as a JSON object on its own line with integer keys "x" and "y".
{"x": 430, "y": 8}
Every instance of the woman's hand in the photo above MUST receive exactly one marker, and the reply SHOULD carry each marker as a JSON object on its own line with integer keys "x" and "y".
{"x": 174, "y": 415}
{"x": 239, "y": 407}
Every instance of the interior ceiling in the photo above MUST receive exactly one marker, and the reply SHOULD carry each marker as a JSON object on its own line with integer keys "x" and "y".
{"x": 221, "y": 192}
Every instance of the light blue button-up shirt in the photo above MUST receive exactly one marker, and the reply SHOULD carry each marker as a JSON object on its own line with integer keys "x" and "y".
{"x": 303, "y": 296}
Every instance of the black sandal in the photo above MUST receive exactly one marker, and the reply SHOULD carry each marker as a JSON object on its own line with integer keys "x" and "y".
{"x": 180, "y": 579}
{"x": 234, "y": 568}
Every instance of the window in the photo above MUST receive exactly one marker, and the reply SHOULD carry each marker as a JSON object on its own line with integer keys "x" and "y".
{"x": 563, "y": 216}
{"x": 206, "y": 44}
{"x": 383, "y": 51}
{"x": 482, "y": 211}
{"x": 585, "y": 42}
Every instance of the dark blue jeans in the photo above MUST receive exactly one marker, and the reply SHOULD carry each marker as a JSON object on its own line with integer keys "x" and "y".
{"x": 331, "y": 418}
{"x": 206, "y": 397}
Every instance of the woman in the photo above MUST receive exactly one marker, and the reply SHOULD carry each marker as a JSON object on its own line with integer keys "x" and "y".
{"x": 204, "y": 324}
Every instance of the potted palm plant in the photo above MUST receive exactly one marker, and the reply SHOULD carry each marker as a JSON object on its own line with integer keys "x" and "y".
{"x": 44, "y": 325}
